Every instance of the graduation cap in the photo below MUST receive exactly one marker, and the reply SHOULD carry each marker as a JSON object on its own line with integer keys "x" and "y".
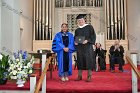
{"x": 81, "y": 16}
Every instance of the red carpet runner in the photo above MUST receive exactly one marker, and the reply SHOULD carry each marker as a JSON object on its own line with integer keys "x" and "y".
{"x": 102, "y": 82}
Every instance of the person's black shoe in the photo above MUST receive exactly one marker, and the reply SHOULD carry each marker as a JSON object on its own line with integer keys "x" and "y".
{"x": 88, "y": 79}
{"x": 120, "y": 71}
{"x": 79, "y": 78}
{"x": 113, "y": 71}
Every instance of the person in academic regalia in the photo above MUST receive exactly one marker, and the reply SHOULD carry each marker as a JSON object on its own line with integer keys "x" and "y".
{"x": 85, "y": 60}
{"x": 63, "y": 45}
{"x": 100, "y": 57}
{"x": 116, "y": 56}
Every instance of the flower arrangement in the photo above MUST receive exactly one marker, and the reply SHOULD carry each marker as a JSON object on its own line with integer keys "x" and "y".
{"x": 4, "y": 65}
{"x": 21, "y": 66}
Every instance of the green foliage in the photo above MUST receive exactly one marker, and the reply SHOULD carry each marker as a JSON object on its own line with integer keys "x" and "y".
{"x": 4, "y": 65}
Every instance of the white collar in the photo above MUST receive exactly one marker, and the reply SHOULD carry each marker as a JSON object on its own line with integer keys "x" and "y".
{"x": 83, "y": 26}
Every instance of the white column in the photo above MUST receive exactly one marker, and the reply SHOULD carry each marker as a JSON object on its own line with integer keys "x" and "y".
{"x": 115, "y": 17}
{"x": 107, "y": 17}
{"x": 43, "y": 66}
{"x": 53, "y": 17}
{"x": 16, "y": 26}
{"x": 86, "y": 3}
{"x": 111, "y": 7}
{"x": 46, "y": 24}
{"x": 119, "y": 16}
{"x": 105, "y": 22}
{"x": 43, "y": 20}
{"x": 39, "y": 19}
{"x": 125, "y": 13}
{"x": 122, "y": 16}
{"x": 34, "y": 9}
{"x": 10, "y": 25}
{"x": 0, "y": 23}
{"x": 134, "y": 76}
{"x": 64, "y": 3}
{"x": 72, "y": 3}
{"x": 32, "y": 84}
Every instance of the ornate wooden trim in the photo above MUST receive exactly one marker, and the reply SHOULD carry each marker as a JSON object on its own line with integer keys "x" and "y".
{"x": 42, "y": 44}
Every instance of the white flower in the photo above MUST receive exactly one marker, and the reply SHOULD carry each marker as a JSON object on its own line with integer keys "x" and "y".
{"x": 29, "y": 64}
{"x": 17, "y": 65}
{"x": 30, "y": 71}
{"x": 14, "y": 66}
{"x": 1, "y": 57}
{"x": 13, "y": 58}
{"x": 11, "y": 67}
{"x": 14, "y": 72}
{"x": 25, "y": 75}
{"x": 9, "y": 61}
{"x": 22, "y": 72}
{"x": 25, "y": 67}
{"x": 19, "y": 69}
{"x": 17, "y": 60}
{"x": 13, "y": 77}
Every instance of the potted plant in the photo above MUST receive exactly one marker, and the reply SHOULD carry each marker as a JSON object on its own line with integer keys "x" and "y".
{"x": 21, "y": 66}
{"x": 4, "y": 66}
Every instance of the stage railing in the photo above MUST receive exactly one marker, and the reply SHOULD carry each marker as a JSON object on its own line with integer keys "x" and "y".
{"x": 38, "y": 86}
{"x": 133, "y": 66}
{"x": 135, "y": 72}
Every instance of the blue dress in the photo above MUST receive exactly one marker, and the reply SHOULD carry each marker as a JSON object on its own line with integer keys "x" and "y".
{"x": 61, "y": 41}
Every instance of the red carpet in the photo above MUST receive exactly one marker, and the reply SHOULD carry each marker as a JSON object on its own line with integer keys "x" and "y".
{"x": 102, "y": 82}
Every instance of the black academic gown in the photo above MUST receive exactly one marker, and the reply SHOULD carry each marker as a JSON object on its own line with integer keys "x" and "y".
{"x": 85, "y": 60}
{"x": 65, "y": 54}
{"x": 101, "y": 54}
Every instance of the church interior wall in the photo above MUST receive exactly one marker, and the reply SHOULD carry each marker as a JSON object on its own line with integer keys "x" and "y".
{"x": 26, "y": 24}
{"x": 0, "y": 25}
{"x": 10, "y": 35}
{"x": 133, "y": 25}
{"x": 10, "y": 24}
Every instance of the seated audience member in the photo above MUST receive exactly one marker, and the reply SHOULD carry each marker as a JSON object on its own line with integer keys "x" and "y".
{"x": 100, "y": 57}
{"x": 116, "y": 56}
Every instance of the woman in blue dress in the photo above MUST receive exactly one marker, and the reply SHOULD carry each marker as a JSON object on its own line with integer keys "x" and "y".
{"x": 63, "y": 45}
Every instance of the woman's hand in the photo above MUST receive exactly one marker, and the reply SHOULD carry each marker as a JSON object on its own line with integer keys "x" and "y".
{"x": 75, "y": 43}
{"x": 66, "y": 49}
